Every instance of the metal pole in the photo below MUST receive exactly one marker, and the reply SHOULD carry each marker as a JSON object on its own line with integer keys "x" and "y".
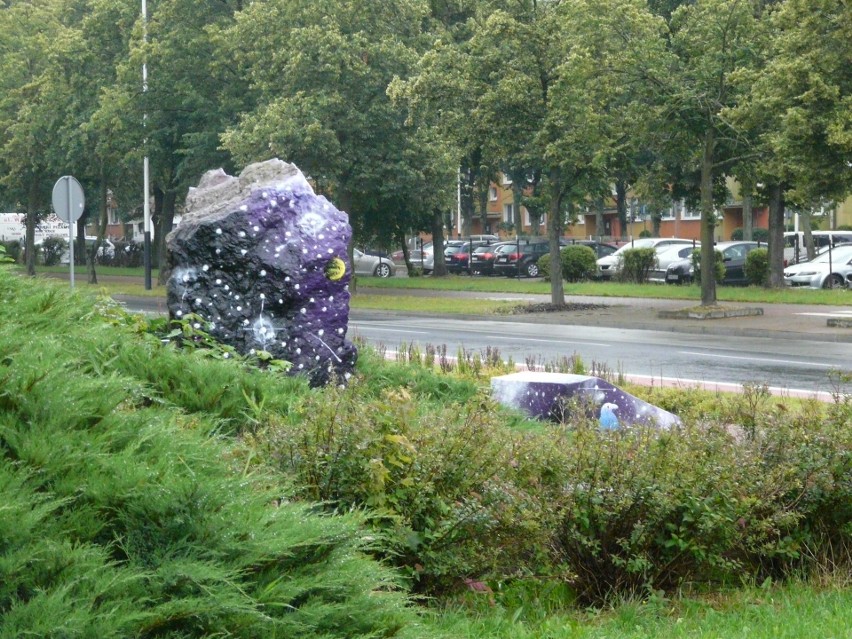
{"x": 458, "y": 201}
{"x": 70, "y": 231}
{"x": 146, "y": 204}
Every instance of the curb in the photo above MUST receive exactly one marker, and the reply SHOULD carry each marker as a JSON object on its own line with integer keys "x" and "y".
{"x": 703, "y": 313}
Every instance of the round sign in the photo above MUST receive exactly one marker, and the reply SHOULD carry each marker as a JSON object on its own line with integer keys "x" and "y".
{"x": 68, "y": 199}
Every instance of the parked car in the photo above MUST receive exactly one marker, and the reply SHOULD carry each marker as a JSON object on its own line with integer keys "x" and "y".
{"x": 457, "y": 258}
{"x": 602, "y": 249}
{"x": 733, "y": 253}
{"x": 609, "y": 266}
{"x": 483, "y": 257}
{"x": 520, "y": 259}
{"x": 364, "y": 264}
{"x": 830, "y": 269}
{"x": 666, "y": 255}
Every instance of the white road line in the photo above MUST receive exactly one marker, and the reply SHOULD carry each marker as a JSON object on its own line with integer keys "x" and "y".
{"x": 837, "y": 314}
{"x": 760, "y": 359}
{"x": 385, "y": 329}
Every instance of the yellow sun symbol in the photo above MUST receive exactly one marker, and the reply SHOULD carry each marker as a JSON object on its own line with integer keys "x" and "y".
{"x": 335, "y": 269}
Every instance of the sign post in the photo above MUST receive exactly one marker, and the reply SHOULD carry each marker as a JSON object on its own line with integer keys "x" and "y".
{"x": 68, "y": 203}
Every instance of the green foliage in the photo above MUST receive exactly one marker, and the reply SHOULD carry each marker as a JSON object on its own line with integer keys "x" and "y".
{"x": 635, "y": 264}
{"x": 757, "y": 267}
{"x": 645, "y": 233}
{"x": 52, "y": 249}
{"x": 579, "y": 262}
{"x": 442, "y": 482}
{"x": 123, "y": 516}
{"x": 757, "y": 235}
{"x": 12, "y": 250}
{"x": 718, "y": 265}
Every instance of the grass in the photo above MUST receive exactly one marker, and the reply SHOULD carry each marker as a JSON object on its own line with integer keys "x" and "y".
{"x": 796, "y": 611}
{"x": 743, "y": 295}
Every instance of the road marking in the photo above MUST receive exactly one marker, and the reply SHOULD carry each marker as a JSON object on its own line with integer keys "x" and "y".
{"x": 835, "y": 314}
{"x": 725, "y": 387}
{"x": 758, "y": 359}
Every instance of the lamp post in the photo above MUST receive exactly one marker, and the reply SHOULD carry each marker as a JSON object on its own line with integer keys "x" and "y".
{"x": 146, "y": 203}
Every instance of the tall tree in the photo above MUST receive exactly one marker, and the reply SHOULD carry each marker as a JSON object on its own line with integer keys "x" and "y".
{"x": 538, "y": 80}
{"x": 711, "y": 40}
{"x": 28, "y": 121}
{"x": 320, "y": 71}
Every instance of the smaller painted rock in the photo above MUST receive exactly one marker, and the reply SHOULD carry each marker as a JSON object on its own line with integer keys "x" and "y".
{"x": 558, "y": 396}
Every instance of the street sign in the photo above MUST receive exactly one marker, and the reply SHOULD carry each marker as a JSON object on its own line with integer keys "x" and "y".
{"x": 68, "y": 199}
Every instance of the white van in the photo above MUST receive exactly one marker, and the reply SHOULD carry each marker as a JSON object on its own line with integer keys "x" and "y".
{"x": 795, "y": 250}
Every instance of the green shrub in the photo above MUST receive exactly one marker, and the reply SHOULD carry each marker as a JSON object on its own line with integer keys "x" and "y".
{"x": 544, "y": 266}
{"x": 579, "y": 262}
{"x": 635, "y": 264}
{"x": 646, "y": 233}
{"x": 52, "y": 249}
{"x": 757, "y": 235}
{"x": 757, "y": 267}
{"x": 442, "y": 483}
{"x": 718, "y": 265}
{"x": 123, "y": 515}
{"x": 13, "y": 250}
{"x": 646, "y": 510}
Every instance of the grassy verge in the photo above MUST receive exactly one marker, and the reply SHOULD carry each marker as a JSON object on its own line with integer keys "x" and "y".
{"x": 614, "y": 289}
{"x": 743, "y": 295}
{"x": 792, "y": 612}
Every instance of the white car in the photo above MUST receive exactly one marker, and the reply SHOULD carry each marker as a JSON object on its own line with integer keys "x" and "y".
{"x": 830, "y": 269}
{"x": 666, "y": 255}
{"x": 609, "y": 266}
{"x": 364, "y": 264}
{"x": 106, "y": 250}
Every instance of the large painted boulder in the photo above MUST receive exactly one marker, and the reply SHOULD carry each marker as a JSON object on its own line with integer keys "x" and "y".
{"x": 262, "y": 262}
{"x": 561, "y": 397}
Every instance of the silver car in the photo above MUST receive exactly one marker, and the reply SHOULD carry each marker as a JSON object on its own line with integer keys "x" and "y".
{"x": 364, "y": 264}
{"x": 830, "y": 269}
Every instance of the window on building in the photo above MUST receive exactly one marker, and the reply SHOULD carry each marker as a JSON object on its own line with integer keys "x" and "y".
{"x": 689, "y": 214}
{"x": 509, "y": 213}
{"x": 505, "y": 180}
{"x": 492, "y": 193}
{"x": 528, "y": 221}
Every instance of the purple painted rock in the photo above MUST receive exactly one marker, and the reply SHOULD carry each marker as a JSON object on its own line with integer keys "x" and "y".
{"x": 560, "y": 396}
{"x": 262, "y": 262}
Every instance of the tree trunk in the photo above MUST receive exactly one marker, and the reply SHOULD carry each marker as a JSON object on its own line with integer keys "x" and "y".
{"x": 708, "y": 222}
{"x": 439, "y": 268}
{"x": 554, "y": 227}
{"x": 621, "y": 206}
{"x": 166, "y": 222}
{"x": 599, "y": 216}
{"x": 776, "y": 236}
{"x": 748, "y": 216}
{"x": 92, "y": 253}
{"x": 807, "y": 234}
{"x": 29, "y": 233}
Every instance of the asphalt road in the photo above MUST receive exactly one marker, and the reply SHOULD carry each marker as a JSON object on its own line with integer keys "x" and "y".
{"x": 796, "y": 365}
{"x": 790, "y": 348}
